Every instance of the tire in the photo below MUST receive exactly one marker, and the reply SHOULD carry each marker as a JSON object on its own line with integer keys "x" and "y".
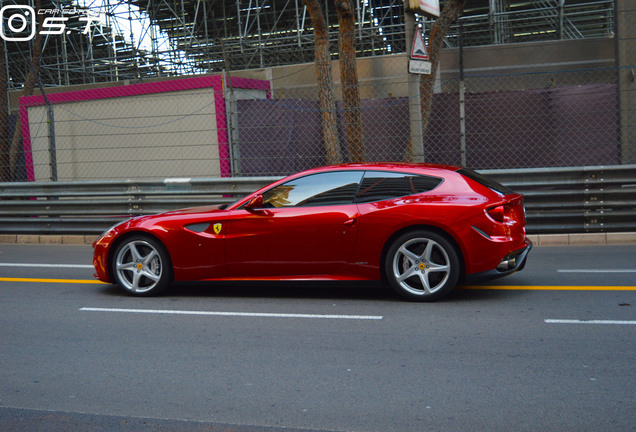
{"x": 422, "y": 266}
{"x": 141, "y": 266}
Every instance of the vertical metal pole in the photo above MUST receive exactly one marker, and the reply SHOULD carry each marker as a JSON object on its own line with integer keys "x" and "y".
{"x": 359, "y": 16}
{"x": 113, "y": 61}
{"x": 51, "y": 125}
{"x": 624, "y": 17}
{"x": 462, "y": 96}
{"x": 297, "y": 24}
{"x": 207, "y": 36}
{"x": 153, "y": 40}
{"x": 258, "y": 23}
{"x": 52, "y": 147}
{"x": 6, "y": 63}
{"x": 302, "y": 25}
{"x": 92, "y": 56}
{"x": 561, "y": 7}
{"x": 240, "y": 31}
{"x": 132, "y": 42}
{"x": 415, "y": 109}
{"x": 491, "y": 21}
{"x": 65, "y": 57}
{"x": 231, "y": 118}
{"x": 182, "y": 65}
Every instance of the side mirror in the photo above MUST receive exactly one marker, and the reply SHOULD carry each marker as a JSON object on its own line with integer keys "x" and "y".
{"x": 255, "y": 203}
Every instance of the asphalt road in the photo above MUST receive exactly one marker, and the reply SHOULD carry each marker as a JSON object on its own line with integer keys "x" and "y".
{"x": 549, "y": 348}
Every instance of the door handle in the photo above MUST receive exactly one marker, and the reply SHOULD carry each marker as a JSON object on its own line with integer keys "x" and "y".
{"x": 351, "y": 222}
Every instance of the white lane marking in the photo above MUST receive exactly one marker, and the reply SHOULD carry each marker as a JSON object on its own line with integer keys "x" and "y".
{"x": 233, "y": 314}
{"x": 570, "y": 321}
{"x": 46, "y": 265}
{"x": 597, "y": 271}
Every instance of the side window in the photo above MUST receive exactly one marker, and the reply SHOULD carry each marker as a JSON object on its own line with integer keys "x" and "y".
{"x": 378, "y": 186}
{"x": 331, "y": 188}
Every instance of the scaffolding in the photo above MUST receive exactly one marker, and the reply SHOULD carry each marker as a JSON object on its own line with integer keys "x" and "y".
{"x": 139, "y": 39}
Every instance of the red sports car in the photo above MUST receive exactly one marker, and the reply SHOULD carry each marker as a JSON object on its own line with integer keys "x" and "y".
{"x": 421, "y": 228}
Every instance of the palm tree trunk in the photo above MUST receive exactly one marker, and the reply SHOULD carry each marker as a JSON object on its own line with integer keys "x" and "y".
{"x": 324, "y": 79}
{"x": 29, "y": 86}
{"x": 450, "y": 13}
{"x": 349, "y": 79}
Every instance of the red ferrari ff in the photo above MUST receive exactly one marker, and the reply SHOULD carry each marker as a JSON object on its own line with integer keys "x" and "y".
{"x": 421, "y": 228}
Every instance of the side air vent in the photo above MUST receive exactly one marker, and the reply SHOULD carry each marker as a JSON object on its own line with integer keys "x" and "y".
{"x": 198, "y": 227}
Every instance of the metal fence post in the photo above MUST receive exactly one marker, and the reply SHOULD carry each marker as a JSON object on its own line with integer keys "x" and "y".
{"x": 51, "y": 126}
{"x": 462, "y": 97}
{"x": 415, "y": 109}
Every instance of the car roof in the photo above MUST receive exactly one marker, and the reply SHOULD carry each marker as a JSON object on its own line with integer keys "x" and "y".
{"x": 416, "y": 168}
{"x": 403, "y": 167}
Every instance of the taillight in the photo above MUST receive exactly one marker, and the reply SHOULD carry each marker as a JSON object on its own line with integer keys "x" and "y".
{"x": 498, "y": 213}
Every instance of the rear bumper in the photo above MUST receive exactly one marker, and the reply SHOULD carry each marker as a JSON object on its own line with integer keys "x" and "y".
{"x": 511, "y": 263}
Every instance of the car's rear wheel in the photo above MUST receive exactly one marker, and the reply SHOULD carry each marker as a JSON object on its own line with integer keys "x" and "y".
{"x": 141, "y": 266}
{"x": 422, "y": 265}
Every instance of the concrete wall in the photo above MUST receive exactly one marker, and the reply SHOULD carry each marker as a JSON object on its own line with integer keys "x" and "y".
{"x": 387, "y": 76}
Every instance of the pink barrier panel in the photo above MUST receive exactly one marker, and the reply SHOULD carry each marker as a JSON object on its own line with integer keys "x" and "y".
{"x": 215, "y": 82}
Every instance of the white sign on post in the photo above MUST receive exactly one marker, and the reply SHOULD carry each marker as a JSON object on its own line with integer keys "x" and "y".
{"x": 430, "y": 6}
{"x": 421, "y": 67}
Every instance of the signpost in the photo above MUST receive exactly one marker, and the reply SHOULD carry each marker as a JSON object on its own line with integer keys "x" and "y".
{"x": 419, "y": 64}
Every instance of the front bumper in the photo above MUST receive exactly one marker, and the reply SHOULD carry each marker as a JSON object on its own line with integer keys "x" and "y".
{"x": 100, "y": 257}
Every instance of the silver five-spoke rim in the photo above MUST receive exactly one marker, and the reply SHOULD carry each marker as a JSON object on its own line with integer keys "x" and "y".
{"x": 138, "y": 266}
{"x": 421, "y": 266}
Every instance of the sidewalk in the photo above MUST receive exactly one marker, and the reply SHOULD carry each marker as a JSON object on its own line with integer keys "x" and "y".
{"x": 583, "y": 239}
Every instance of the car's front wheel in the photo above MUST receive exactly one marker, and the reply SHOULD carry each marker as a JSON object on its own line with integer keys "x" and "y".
{"x": 422, "y": 265}
{"x": 141, "y": 266}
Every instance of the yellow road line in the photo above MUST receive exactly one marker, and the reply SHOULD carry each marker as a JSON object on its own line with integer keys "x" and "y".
{"x": 77, "y": 281}
{"x": 471, "y": 287}
{"x": 549, "y": 288}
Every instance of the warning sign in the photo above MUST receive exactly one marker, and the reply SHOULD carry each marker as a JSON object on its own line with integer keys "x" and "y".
{"x": 419, "y": 52}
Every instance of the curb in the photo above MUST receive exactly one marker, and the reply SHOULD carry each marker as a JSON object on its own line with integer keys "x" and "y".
{"x": 48, "y": 239}
{"x": 583, "y": 239}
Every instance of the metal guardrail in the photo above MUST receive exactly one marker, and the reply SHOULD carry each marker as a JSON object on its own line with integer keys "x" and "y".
{"x": 558, "y": 200}
{"x": 577, "y": 199}
{"x": 92, "y": 207}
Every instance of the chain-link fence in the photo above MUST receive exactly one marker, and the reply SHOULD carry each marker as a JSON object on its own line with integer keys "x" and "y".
{"x": 540, "y": 104}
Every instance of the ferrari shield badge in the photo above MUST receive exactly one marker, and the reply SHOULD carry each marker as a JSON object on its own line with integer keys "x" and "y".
{"x": 217, "y": 228}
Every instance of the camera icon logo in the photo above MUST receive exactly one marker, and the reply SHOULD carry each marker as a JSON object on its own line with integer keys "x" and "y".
{"x": 17, "y": 23}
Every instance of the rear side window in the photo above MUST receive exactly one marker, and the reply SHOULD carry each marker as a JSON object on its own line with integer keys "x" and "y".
{"x": 379, "y": 186}
{"x": 485, "y": 181}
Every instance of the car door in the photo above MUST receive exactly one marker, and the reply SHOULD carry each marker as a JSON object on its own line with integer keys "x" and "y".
{"x": 305, "y": 227}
